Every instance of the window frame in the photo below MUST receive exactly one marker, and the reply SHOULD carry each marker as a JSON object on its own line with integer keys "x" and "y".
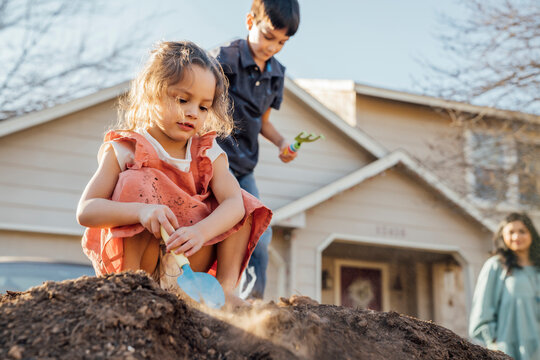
{"x": 512, "y": 198}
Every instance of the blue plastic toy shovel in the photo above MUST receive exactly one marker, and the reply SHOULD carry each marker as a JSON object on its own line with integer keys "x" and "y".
{"x": 200, "y": 286}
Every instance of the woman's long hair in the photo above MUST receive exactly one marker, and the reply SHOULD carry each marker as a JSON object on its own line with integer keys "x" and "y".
{"x": 507, "y": 256}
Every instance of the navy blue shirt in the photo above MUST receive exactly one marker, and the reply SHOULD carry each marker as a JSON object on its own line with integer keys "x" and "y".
{"x": 252, "y": 94}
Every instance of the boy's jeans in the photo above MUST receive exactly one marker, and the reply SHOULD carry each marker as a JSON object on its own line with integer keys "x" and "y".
{"x": 259, "y": 258}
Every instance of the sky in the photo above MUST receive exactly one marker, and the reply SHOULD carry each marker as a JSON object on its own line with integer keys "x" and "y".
{"x": 380, "y": 43}
{"x": 376, "y": 43}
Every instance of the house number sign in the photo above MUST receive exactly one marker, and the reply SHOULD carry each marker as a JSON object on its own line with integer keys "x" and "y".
{"x": 390, "y": 231}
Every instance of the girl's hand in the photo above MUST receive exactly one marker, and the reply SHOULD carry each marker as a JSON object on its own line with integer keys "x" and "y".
{"x": 187, "y": 240}
{"x": 152, "y": 217}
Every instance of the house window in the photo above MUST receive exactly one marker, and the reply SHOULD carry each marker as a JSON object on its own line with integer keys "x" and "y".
{"x": 489, "y": 184}
{"x": 529, "y": 173}
{"x": 503, "y": 170}
{"x": 488, "y": 156}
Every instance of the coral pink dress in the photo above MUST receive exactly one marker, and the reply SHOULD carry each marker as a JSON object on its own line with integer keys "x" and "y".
{"x": 153, "y": 181}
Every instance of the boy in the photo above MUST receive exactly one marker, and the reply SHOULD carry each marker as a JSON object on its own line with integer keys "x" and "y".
{"x": 256, "y": 81}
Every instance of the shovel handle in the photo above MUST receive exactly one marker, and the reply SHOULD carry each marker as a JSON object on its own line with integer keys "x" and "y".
{"x": 299, "y": 139}
{"x": 291, "y": 148}
{"x": 181, "y": 260}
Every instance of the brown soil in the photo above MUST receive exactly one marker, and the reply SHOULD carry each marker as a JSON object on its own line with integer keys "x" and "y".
{"x": 126, "y": 316}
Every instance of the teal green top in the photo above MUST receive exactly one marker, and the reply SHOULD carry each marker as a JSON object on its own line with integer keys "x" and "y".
{"x": 505, "y": 313}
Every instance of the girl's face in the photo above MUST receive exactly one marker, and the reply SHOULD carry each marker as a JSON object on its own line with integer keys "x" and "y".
{"x": 516, "y": 236}
{"x": 184, "y": 108}
{"x": 264, "y": 40}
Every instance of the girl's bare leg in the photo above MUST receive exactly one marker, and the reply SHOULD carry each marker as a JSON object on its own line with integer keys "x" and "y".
{"x": 230, "y": 253}
{"x": 141, "y": 252}
{"x": 203, "y": 259}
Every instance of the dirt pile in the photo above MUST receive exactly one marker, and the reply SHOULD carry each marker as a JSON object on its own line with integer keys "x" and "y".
{"x": 126, "y": 316}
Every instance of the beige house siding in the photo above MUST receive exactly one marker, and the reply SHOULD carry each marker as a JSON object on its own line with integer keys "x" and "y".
{"x": 422, "y": 126}
{"x": 47, "y": 166}
{"x": 425, "y": 133}
{"x": 390, "y": 208}
{"x": 39, "y": 245}
{"x": 429, "y": 135}
{"x": 400, "y": 125}
{"x": 45, "y": 169}
{"x": 317, "y": 164}
{"x": 422, "y": 131}
{"x": 394, "y": 200}
{"x": 277, "y": 282}
{"x": 338, "y": 95}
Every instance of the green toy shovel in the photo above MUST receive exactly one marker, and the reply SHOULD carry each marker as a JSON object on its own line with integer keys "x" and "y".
{"x": 299, "y": 139}
{"x": 200, "y": 286}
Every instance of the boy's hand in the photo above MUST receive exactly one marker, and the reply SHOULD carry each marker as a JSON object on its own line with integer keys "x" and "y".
{"x": 152, "y": 217}
{"x": 187, "y": 240}
{"x": 285, "y": 154}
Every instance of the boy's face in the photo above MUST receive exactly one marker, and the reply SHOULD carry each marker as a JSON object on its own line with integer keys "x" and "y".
{"x": 264, "y": 41}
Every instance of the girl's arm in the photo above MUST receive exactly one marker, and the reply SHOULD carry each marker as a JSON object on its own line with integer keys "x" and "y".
{"x": 96, "y": 210}
{"x": 230, "y": 211}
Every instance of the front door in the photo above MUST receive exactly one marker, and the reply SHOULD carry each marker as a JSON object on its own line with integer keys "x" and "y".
{"x": 362, "y": 284}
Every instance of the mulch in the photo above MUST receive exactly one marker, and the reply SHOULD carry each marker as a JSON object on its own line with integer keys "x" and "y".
{"x": 127, "y": 316}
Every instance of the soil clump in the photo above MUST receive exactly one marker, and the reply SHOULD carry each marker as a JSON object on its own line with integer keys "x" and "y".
{"x": 127, "y": 316}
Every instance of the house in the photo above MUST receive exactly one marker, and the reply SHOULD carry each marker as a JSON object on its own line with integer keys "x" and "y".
{"x": 359, "y": 219}
{"x": 487, "y": 155}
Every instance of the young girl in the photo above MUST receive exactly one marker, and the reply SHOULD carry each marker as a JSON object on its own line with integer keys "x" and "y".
{"x": 505, "y": 314}
{"x": 163, "y": 168}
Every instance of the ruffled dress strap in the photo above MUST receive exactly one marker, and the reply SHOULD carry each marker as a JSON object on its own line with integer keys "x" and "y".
{"x": 144, "y": 152}
{"x": 201, "y": 165}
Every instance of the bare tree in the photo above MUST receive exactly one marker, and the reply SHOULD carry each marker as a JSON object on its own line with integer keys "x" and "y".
{"x": 492, "y": 54}
{"x": 46, "y": 58}
{"x": 492, "y": 59}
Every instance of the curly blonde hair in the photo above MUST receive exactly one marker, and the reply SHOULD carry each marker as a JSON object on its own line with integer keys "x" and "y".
{"x": 165, "y": 67}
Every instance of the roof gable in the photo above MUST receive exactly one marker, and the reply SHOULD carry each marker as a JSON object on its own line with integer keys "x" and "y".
{"x": 435, "y": 102}
{"x": 318, "y": 85}
{"x": 40, "y": 117}
{"x": 375, "y": 168}
{"x": 29, "y": 120}
{"x": 355, "y": 134}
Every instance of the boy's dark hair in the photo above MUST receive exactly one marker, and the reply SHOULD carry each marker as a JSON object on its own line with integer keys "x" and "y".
{"x": 283, "y": 14}
{"x": 507, "y": 256}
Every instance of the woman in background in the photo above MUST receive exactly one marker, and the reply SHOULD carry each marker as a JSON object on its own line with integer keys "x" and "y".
{"x": 505, "y": 313}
